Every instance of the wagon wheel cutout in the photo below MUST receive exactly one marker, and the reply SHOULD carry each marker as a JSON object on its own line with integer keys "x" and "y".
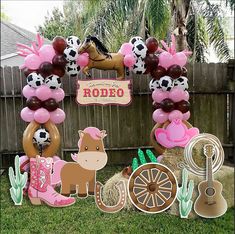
{"x": 152, "y": 188}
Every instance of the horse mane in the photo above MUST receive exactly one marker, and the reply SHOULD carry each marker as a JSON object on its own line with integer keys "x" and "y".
{"x": 95, "y": 134}
{"x": 99, "y": 45}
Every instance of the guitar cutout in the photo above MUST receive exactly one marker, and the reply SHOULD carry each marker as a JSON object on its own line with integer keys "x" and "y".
{"x": 210, "y": 202}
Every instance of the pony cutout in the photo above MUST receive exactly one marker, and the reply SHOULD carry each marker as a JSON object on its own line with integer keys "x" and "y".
{"x": 100, "y": 58}
{"x": 80, "y": 176}
{"x": 175, "y": 134}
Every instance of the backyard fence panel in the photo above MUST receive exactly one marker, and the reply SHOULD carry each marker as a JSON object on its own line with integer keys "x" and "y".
{"x": 128, "y": 127}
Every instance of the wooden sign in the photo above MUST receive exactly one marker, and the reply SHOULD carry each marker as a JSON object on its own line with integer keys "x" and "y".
{"x": 103, "y": 92}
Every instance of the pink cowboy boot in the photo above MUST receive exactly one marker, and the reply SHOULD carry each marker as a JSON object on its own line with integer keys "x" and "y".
{"x": 40, "y": 188}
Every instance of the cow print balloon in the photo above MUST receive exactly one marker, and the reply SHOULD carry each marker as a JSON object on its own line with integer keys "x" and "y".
{"x": 166, "y": 83}
{"x": 139, "y": 67}
{"x": 72, "y": 69}
{"x": 73, "y": 41}
{"x": 53, "y": 82}
{"x": 41, "y": 137}
{"x": 35, "y": 80}
{"x": 154, "y": 84}
{"x": 70, "y": 53}
{"x": 181, "y": 82}
{"x": 133, "y": 40}
{"x": 140, "y": 50}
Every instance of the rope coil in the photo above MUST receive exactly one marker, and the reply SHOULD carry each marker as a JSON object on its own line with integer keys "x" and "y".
{"x": 189, "y": 163}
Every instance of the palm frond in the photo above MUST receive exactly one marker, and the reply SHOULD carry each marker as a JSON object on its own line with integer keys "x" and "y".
{"x": 213, "y": 15}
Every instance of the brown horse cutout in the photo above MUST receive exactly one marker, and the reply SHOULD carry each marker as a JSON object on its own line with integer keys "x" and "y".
{"x": 100, "y": 58}
{"x": 80, "y": 177}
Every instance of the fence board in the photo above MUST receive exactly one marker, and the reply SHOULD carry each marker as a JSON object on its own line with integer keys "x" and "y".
{"x": 128, "y": 128}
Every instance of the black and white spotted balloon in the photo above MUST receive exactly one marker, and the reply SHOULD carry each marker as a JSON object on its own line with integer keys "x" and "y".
{"x": 181, "y": 82}
{"x": 136, "y": 39}
{"x": 139, "y": 67}
{"x": 72, "y": 69}
{"x": 73, "y": 41}
{"x": 53, "y": 82}
{"x": 70, "y": 53}
{"x": 35, "y": 80}
{"x": 154, "y": 84}
{"x": 41, "y": 137}
{"x": 166, "y": 83}
{"x": 140, "y": 50}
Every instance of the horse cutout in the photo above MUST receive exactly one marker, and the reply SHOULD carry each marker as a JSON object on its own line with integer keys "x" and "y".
{"x": 100, "y": 58}
{"x": 79, "y": 177}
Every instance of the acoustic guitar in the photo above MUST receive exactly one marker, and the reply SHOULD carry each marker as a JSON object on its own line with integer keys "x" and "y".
{"x": 210, "y": 202}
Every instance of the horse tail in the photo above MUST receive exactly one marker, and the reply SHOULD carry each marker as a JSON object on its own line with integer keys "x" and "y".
{"x": 55, "y": 177}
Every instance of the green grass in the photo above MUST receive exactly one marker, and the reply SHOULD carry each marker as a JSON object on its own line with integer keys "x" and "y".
{"x": 85, "y": 217}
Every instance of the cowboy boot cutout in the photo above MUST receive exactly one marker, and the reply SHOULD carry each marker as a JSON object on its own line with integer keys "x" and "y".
{"x": 40, "y": 188}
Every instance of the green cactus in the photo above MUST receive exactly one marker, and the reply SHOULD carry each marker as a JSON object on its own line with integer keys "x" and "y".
{"x": 18, "y": 182}
{"x": 184, "y": 195}
{"x": 151, "y": 156}
{"x": 142, "y": 159}
{"x": 135, "y": 164}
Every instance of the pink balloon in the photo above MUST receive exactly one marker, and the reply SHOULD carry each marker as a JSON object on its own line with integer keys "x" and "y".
{"x": 186, "y": 96}
{"x": 46, "y": 53}
{"x": 28, "y": 91}
{"x": 58, "y": 94}
{"x": 82, "y": 60}
{"x": 126, "y": 48}
{"x": 180, "y": 59}
{"x": 32, "y": 61}
{"x": 27, "y": 115}
{"x": 175, "y": 114}
{"x": 129, "y": 60}
{"x": 166, "y": 59}
{"x": 177, "y": 94}
{"x": 41, "y": 115}
{"x": 86, "y": 54}
{"x": 160, "y": 116}
{"x": 158, "y": 95}
{"x": 57, "y": 116}
{"x": 43, "y": 92}
{"x": 186, "y": 115}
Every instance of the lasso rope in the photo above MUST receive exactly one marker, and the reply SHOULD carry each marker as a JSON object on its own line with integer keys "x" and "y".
{"x": 189, "y": 163}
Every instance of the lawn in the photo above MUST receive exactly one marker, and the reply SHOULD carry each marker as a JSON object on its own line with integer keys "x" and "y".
{"x": 85, "y": 217}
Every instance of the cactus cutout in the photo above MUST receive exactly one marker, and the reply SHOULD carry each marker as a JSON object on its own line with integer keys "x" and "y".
{"x": 142, "y": 159}
{"x": 135, "y": 164}
{"x": 151, "y": 156}
{"x": 18, "y": 182}
{"x": 184, "y": 195}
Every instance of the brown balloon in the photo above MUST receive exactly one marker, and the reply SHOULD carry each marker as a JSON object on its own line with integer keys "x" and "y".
{"x": 185, "y": 71}
{"x": 167, "y": 105}
{"x": 33, "y": 103}
{"x": 30, "y": 149}
{"x": 158, "y": 72}
{"x": 59, "y": 71}
{"x": 151, "y": 61}
{"x": 46, "y": 69}
{"x": 156, "y": 105}
{"x": 59, "y": 60}
{"x": 182, "y": 106}
{"x": 50, "y": 104}
{"x": 27, "y": 71}
{"x": 59, "y": 44}
{"x": 174, "y": 71}
{"x": 152, "y": 44}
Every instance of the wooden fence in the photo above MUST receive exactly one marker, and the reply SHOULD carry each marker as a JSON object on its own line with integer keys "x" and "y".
{"x": 128, "y": 128}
